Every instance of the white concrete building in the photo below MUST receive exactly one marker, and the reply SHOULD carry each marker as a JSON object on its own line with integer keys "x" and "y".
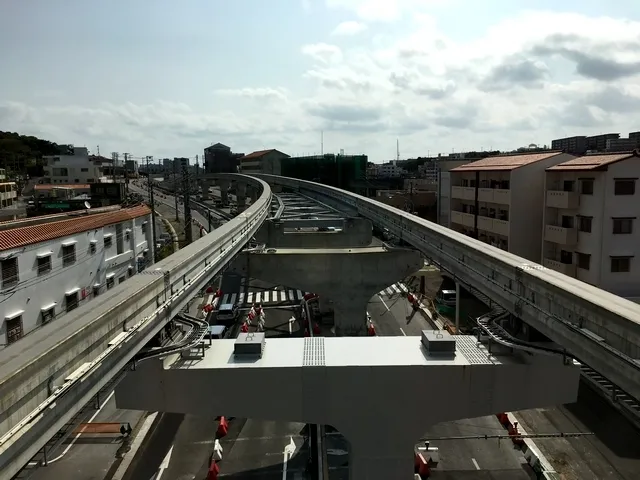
{"x": 390, "y": 170}
{"x": 500, "y": 200}
{"x": 49, "y": 265}
{"x": 444, "y": 190}
{"x": 592, "y": 204}
{"x": 76, "y": 168}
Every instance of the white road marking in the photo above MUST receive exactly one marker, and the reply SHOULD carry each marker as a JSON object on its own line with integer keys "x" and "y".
{"x": 165, "y": 463}
{"x": 241, "y": 299}
{"x": 226, "y": 298}
{"x": 403, "y": 332}
{"x": 288, "y": 452}
{"x": 283, "y": 295}
{"x": 475, "y": 464}
{"x": 233, "y": 298}
{"x": 395, "y": 287}
{"x": 383, "y": 302}
{"x": 66, "y": 450}
{"x": 250, "y": 298}
{"x": 258, "y": 297}
{"x": 300, "y": 295}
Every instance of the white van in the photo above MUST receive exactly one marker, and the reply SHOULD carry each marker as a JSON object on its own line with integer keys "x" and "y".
{"x": 446, "y": 297}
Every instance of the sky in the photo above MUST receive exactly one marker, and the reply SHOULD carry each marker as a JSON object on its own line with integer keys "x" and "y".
{"x": 168, "y": 78}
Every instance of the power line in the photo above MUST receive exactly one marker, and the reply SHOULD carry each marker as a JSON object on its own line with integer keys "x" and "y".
{"x": 519, "y": 435}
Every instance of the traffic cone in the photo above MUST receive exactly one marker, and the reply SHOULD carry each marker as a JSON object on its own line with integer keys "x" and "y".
{"x": 209, "y": 289}
{"x": 214, "y": 470}
{"x": 244, "y": 328}
{"x": 371, "y": 331}
{"x": 306, "y": 332}
{"x": 316, "y": 329}
{"x": 223, "y": 428}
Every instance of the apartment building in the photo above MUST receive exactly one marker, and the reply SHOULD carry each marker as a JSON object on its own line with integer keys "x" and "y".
{"x": 444, "y": 190}
{"x": 500, "y": 200}
{"x": 263, "y": 161}
{"x": 77, "y": 168}
{"x": 50, "y": 265}
{"x": 592, "y": 204}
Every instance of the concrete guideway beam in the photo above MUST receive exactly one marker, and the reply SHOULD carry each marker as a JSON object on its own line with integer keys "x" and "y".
{"x": 354, "y": 232}
{"x": 350, "y": 383}
{"x": 564, "y": 309}
{"x": 349, "y": 277}
{"x": 101, "y": 337}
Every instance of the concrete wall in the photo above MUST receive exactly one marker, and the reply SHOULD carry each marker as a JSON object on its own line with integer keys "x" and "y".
{"x": 355, "y": 232}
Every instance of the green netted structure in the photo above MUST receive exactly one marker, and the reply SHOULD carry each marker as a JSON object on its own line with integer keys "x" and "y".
{"x": 339, "y": 171}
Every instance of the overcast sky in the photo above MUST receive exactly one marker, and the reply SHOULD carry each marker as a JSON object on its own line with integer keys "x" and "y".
{"x": 168, "y": 78}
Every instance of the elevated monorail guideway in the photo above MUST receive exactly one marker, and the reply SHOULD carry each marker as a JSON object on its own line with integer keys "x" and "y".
{"x": 599, "y": 328}
{"x": 49, "y": 375}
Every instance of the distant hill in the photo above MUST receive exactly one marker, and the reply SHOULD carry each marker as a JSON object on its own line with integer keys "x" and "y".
{"x": 22, "y": 154}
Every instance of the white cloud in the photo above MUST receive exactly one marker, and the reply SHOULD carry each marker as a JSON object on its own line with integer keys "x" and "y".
{"x": 524, "y": 79}
{"x": 348, "y": 28}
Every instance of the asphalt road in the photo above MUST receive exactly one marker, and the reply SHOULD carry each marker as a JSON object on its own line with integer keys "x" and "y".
{"x": 89, "y": 456}
{"x": 459, "y": 459}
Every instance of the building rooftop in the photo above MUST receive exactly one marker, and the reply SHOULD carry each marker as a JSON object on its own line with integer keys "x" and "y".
{"x": 597, "y": 161}
{"x": 49, "y": 186}
{"x": 45, "y": 230}
{"x": 260, "y": 153}
{"x": 505, "y": 162}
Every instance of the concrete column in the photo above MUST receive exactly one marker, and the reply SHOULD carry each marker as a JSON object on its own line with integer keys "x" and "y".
{"x": 457, "y": 306}
{"x": 253, "y": 194}
{"x": 205, "y": 189}
{"x": 348, "y": 276}
{"x": 241, "y": 194}
{"x": 224, "y": 190}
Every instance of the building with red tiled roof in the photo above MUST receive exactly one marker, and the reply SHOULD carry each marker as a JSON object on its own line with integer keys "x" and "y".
{"x": 499, "y": 200}
{"x": 262, "y": 161}
{"x": 591, "y": 230}
{"x": 49, "y": 265}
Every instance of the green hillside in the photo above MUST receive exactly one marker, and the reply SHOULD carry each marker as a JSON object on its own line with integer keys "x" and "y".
{"x": 22, "y": 154}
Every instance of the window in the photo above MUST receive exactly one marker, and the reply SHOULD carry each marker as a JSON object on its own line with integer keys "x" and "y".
{"x": 584, "y": 224}
{"x": 92, "y": 247}
{"x": 96, "y": 290}
{"x": 107, "y": 241}
{"x": 143, "y": 228}
{"x": 620, "y": 264}
{"x": 567, "y": 186}
{"x": 71, "y": 301}
{"x": 9, "y": 272}
{"x": 44, "y": 264}
{"x": 110, "y": 283}
{"x": 566, "y": 257}
{"x": 14, "y": 329}
{"x": 583, "y": 260}
{"x": 625, "y": 187}
{"x": 586, "y": 186}
{"x": 622, "y": 226}
{"x": 48, "y": 314}
{"x": 68, "y": 255}
{"x": 567, "y": 221}
{"x": 122, "y": 279}
{"x": 84, "y": 169}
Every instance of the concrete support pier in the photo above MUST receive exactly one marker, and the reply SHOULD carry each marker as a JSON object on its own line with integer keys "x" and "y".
{"x": 224, "y": 190}
{"x": 241, "y": 195}
{"x": 349, "y": 233}
{"x": 349, "y": 277}
{"x": 205, "y": 185}
{"x": 351, "y": 383}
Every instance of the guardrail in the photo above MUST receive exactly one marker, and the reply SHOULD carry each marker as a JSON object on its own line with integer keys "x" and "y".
{"x": 183, "y": 274}
{"x": 560, "y": 307}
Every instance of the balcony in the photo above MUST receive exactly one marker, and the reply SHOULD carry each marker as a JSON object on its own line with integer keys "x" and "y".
{"x": 460, "y": 218}
{"x": 463, "y": 193}
{"x": 564, "y": 268}
{"x": 493, "y": 225}
{"x": 494, "y": 195}
{"x": 561, "y": 199}
{"x": 561, "y": 235}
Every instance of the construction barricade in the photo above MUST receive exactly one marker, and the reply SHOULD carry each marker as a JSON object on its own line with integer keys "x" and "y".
{"x": 223, "y": 428}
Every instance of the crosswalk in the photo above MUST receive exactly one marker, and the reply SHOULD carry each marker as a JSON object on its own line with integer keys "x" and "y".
{"x": 265, "y": 297}
{"x": 395, "y": 289}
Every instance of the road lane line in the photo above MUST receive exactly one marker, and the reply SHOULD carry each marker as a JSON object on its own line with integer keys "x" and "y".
{"x": 403, "y": 332}
{"x": 475, "y": 464}
{"x": 383, "y": 302}
{"x": 66, "y": 450}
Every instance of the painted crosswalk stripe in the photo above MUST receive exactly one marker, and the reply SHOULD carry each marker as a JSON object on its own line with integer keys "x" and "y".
{"x": 283, "y": 295}
{"x": 389, "y": 291}
{"x": 395, "y": 287}
{"x": 241, "y": 298}
{"x": 258, "y": 297}
{"x": 233, "y": 298}
{"x": 266, "y": 297}
{"x": 299, "y": 294}
{"x": 250, "y": 297}
{"x": 225, "y": 299}
{"x": 403, "y": 287}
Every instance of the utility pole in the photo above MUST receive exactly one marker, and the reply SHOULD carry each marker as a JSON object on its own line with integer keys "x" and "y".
{"x": 126, "y": 177}
{"x": 186, "y": 191}
{"x": 153, "y": 211}
{"x": 175, "y": 186}
{"x": 197, "y": 172}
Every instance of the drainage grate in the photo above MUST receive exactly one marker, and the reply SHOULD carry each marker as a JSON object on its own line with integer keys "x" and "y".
{"x": 313, "y": 355}
{"x": 467, "y": 345}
